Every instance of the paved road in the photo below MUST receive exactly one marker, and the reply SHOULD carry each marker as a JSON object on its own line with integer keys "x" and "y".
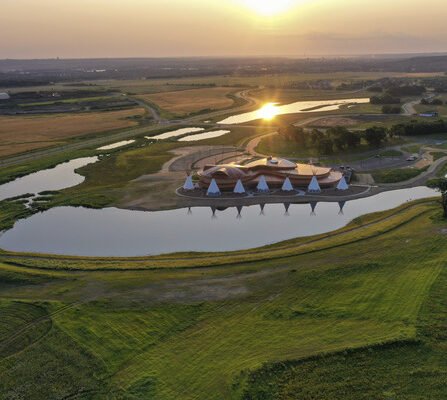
{"x": 155, "y": 115}
{"x": 408, "y": 108}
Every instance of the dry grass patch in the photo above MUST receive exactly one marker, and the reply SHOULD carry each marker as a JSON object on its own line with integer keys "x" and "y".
{"x": 20, "y": 134}
{"x": 190, "y": 101}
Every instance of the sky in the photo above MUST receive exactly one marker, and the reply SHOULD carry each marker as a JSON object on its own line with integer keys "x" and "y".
{"x": 170, "y": 28}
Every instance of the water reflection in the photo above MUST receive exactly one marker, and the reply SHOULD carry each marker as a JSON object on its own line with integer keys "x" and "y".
{"x": 341, "y": 204}
{"x": 60, "y": 177}
{"x": 116, "y": 145}
{"x": 270, "y": 110}
{"x": 239, "y": 212}
{"x": 175, "y": 133}
{"x": 203, "y": 136}
{"x": 313, "y": 206}
{"x": 117, "y": 232}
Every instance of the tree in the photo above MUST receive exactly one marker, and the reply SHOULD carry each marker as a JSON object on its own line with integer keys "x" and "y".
{"x": 385, "y": 99}
{"x": 316, "y": 136}
{"x": 441, "y": 186}
{"x": 325, "y": 146}
{"x": 343, "y": 137}
{"x": 294, "y": 134}
{"x": 375, "y": 135}
{"x": 390, "y": 109}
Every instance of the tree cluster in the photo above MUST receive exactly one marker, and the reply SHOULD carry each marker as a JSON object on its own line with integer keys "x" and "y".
{"x": 441, "y": 186}
{"x": 333, "y": 139}
{"x": 393, "y": 93}
{"x": 391, "y": 109}
{"x": 418, "y": 128}
{"x": 386, "y": 98}
{"x": 434, "y": 102}
{"x": 406, "y": 90}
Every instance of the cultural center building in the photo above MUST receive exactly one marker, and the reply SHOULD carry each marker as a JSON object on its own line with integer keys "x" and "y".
{"x": 273, "y": 170}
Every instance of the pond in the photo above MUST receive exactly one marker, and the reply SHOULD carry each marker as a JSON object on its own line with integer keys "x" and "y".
{"x": 177, "y": 132}
{"x": 116, "y": 232}
{"x": 293, "y": 108}
{"x": 203, "y": 136}
{"x": 116, "y": 145}
{"x": 60, "y": 177}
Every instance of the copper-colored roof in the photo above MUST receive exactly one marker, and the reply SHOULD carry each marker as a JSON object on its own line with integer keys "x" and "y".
{"x": 272, "y": 162}
{"x": 274, "y": 170}
{"x": 231, "y": 171}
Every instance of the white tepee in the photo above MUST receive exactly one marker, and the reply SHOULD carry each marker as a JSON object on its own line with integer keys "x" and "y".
{"x": 287, "y": 186}
{"x": 342, "y": 185}
{"x": 189, "y": 185}
{"x": 314, "y": 186}
{"x": 262, "y": 185}
{"x": 239, "y": 188}
{"x": 213, "y": 189}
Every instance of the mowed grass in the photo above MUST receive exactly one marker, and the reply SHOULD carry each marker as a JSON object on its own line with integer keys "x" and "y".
{"x": 16, "y": 316}
{"x": 409, "y": 370}
{"x": 19, "y": 134}
{"x": 198, "y": 334}
{"x": 185, "y": 102}
{"x": 397, "y": 175}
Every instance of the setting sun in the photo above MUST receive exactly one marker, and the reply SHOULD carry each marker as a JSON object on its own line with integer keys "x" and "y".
{"x": 268, "y": 111}
{"x": 269, "y": 7}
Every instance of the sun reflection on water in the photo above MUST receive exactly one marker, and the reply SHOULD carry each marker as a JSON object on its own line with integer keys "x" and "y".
{"x": 268, "y": 111}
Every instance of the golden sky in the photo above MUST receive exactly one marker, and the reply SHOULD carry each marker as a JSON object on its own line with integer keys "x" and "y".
{"x": 152, "y": 28}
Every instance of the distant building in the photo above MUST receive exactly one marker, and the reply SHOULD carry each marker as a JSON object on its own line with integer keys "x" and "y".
{"x": 4, "y": 96}
{"x": 429, "y": 114}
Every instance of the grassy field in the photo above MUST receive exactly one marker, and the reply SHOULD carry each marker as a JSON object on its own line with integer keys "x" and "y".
{"x": 217, "y": 333}
{"x": 276, "y": 80}
{"x": 414, "y": 369}
{"x": 185, "y": 102}
{"x": 19, "y": 134}
{"x": 396, "y": 175}
{"x": 285, "y": 96}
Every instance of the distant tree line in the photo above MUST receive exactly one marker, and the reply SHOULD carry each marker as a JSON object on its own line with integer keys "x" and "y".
{"x": 385, "y": 98}
{"x": 434, "y": 102}
{"x": 334, "y": 139}
{"x": 406, "y": 90}
{"x": 393, "y": 94}
{"x": 418, "y": 128}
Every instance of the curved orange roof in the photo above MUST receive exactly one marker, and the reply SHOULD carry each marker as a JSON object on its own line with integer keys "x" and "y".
{"x": 272, "y": 162}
